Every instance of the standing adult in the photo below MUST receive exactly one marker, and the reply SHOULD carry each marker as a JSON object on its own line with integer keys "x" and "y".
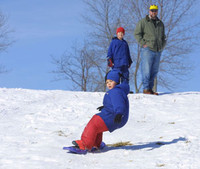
{"x": 150, "y": 34}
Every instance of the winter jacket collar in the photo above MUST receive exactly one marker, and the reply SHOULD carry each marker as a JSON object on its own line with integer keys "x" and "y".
{"x": 149, "y": 19}
{"x": 116, "y": 38}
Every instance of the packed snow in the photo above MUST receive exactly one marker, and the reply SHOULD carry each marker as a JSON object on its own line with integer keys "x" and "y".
{"x": 35, "y": 124}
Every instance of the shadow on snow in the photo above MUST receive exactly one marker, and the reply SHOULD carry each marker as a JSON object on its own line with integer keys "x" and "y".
{"x": 151, "y": 145}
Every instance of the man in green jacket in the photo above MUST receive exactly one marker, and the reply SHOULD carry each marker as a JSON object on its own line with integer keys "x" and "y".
{"x": 150, "y": 34}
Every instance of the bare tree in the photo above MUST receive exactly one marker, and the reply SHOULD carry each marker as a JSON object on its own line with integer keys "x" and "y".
{"x": 78, "y": 67}
{"x": 87, "y": 68}
{"x": 104, "y": 16}
{"x": 5, "y": 42}
{"x": 181, "y": 36}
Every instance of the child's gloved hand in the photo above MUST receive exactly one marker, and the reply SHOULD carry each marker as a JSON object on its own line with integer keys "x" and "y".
{"x": 110, "y": 63}
{"x": 100, "y": 108}
{"x": 118, "y": 118}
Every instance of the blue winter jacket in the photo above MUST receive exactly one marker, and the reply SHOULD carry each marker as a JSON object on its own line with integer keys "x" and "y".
{"x": 115, "y": 102}
{"x": 119, "y": 53}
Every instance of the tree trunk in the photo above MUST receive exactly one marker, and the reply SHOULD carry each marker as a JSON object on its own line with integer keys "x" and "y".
{"x": 136, "y": 69}
{"x": 155, "y": 85}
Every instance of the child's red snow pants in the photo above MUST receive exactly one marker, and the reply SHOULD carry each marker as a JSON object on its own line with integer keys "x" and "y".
{"x": 93, "y": 132}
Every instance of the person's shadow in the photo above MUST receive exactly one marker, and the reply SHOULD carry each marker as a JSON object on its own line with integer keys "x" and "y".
{"x": 150, "y": 145}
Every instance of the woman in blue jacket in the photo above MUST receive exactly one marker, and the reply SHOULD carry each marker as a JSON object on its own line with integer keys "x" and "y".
{"x": 114, "y": 113}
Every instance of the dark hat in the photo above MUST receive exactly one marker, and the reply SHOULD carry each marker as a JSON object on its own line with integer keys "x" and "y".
{"x": 113, "y": 75}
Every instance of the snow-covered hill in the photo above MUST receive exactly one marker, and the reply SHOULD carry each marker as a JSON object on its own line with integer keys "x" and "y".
{"x": 36, "y": 124}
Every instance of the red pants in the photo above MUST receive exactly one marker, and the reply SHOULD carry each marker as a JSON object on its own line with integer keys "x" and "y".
{"x": 93, "y": 132}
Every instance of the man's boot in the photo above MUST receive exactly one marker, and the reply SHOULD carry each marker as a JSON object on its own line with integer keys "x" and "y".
{"x": 154, "y": 93}
{"x": 147, "y": 91}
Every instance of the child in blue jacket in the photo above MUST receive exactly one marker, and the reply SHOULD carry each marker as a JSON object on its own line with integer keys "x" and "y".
{"x": 114, "y": 113}
{"x": 119, "y": 55}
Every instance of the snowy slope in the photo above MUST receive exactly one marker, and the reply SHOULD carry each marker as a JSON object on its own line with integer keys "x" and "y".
{"x": 36, "y": 124}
